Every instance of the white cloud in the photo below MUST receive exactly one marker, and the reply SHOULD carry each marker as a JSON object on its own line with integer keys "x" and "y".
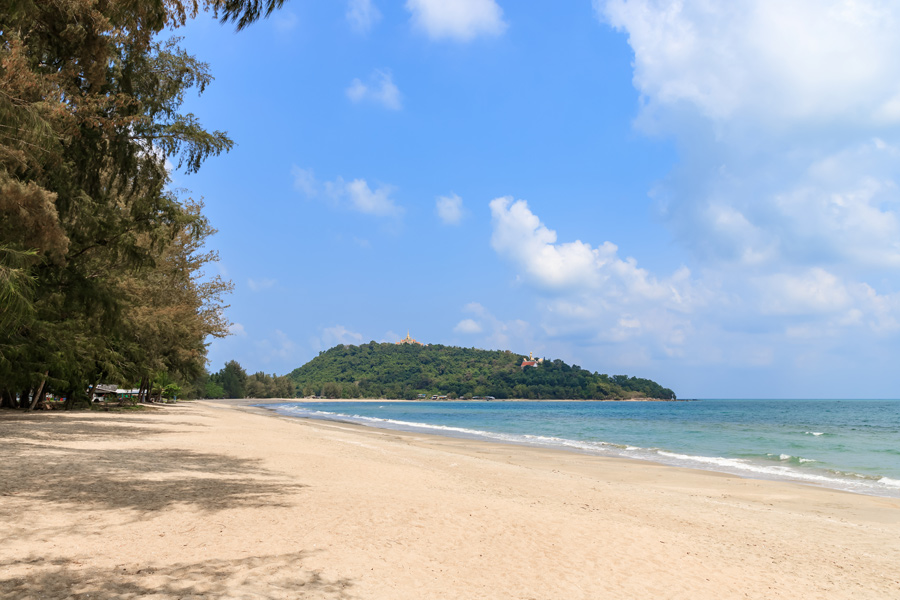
{"x": 468, "y": 326}
{"x": 258, "y": 285}
{"x": 576, "y": 266}
{"x": 332, "y": 336}
{"x": 475, "y": 308}
{"x": 362, "y": 15}
{"x": 356, "y": 195}
{"x": 237, "y": 329}
{"x": 493, "y": 331}
{"x": 787, "y": 118}
{"x": 815, "y": 291}
{"x": 380, "y": 90}
{"x": 591, "y": 297}
{"x": 806, "y": 59}
{"x": 787, "y": 121}
{"x": 449, "y": 209}
{"x": 460, "y": 20}
{"x": 376, "y": 202}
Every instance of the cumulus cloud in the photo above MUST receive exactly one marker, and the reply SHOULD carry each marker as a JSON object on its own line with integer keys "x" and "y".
{"x": 364, "y": 199}
{"x": 468, "y": 326}
{"x": 237, "y": 329}
{"x": 459, "y": 20}
{"x": 787, "y": 118}
{"x": 588, "y": 293}
{"x": 356, "y": 195}
{"x": 362, "y": 15}
{"x": 449, "y": 209}
{"x": 812, "y": 60}
{"x": 737, "y": 315}
{"x": 519, "y": 235}
{"x": 380, "y": 89}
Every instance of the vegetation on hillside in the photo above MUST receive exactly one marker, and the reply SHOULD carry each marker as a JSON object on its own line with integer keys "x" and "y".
{"x": 405, "y": 371}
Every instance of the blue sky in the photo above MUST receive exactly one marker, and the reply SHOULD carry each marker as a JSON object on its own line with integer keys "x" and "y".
{"x": 700, "y": 193}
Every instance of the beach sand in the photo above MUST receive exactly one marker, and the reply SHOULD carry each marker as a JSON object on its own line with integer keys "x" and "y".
{"x": 211, "y": 500}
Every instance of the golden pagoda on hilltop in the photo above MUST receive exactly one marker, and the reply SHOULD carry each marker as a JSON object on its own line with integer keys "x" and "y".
{"x": 409, "y": 340}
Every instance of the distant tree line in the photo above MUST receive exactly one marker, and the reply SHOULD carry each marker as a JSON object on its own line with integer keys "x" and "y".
{"x": 406, "y": 371}
{"x": 232, "y": 381}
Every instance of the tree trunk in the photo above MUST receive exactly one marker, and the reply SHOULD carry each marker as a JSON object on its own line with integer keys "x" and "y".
{"x": 94, "y": 389}
{"x": 37, "y": 394}
{"x": 140, "y": 391}
{"x": 145, "y": 385}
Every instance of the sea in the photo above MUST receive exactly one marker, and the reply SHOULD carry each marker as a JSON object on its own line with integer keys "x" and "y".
{"x": 850, "y": 445}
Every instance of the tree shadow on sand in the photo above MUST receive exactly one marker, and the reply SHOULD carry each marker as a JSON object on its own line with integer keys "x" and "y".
{"x": 79, "y": 427}
{"x": 266, "y": 577}
{"x": 137, "y": 479}
{"x": 42, "y": 469}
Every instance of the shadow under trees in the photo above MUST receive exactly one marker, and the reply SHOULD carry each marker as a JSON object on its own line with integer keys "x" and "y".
{"x": 263, "y": 577}
{"x": 40, "y": 465}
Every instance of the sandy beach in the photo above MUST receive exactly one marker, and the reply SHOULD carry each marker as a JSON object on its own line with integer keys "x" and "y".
{"x": 219, "y": 500}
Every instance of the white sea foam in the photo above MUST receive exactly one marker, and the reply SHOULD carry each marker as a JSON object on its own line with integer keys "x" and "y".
{"x": 815, "y": 433}
{"x": 737, "y": 466}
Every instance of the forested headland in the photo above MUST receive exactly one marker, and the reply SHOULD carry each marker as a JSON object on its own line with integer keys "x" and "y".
{"x": 101, "y": 262}
{"x": 405, "y": 371}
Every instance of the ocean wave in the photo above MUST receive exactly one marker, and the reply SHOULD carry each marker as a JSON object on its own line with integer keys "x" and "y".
{"x": 787, "y": 466}
{"x": 789, "y": 458}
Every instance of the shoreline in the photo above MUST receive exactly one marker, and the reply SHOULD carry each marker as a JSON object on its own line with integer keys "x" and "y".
{"x": 702, "y": 463}
{"x": 223, "y": 499}
{"x": 250, "y": 401}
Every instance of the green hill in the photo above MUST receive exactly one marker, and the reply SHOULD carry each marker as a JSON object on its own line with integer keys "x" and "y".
{"x": 408, "y": 370}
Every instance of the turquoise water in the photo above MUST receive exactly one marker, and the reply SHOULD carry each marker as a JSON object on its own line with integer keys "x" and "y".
{"x": 851, "y": 445}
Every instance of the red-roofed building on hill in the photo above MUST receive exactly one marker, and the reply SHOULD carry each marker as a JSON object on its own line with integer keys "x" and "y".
{"x": 530, "y": 361}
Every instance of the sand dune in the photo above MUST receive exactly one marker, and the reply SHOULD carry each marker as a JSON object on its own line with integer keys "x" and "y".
{"x": 205, "y": 500}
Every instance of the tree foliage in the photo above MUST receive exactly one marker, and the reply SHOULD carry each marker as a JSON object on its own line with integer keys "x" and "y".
{"x": 101, "y": 264}
{"x": 404, "y": 371}
{"x": 232, "y": 381}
